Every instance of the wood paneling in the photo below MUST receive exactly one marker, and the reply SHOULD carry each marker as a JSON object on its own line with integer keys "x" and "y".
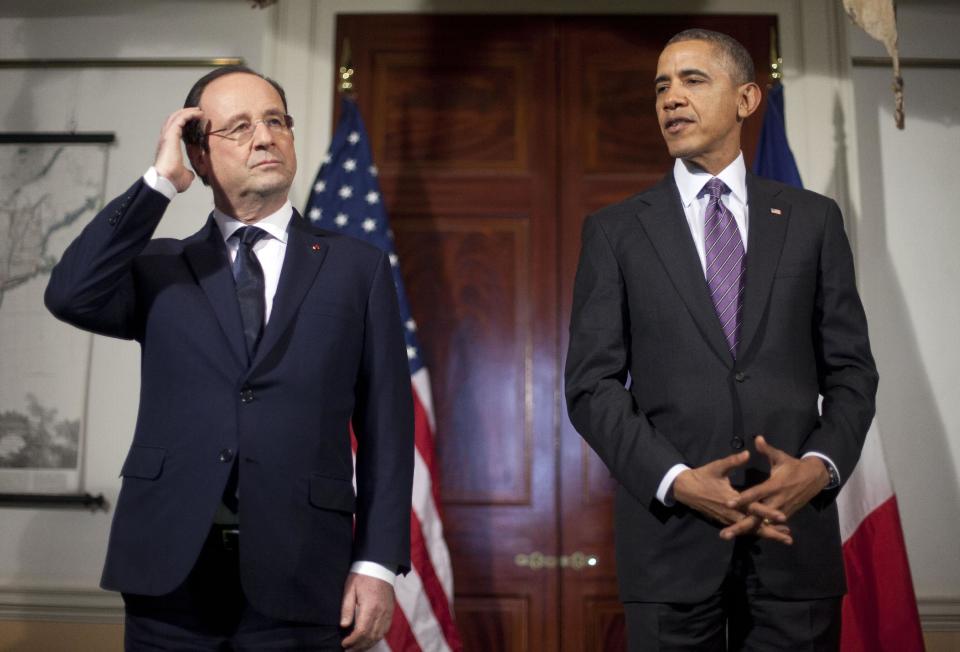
{"x": 451, "y": 116}
{"x": 494, "y": 623}
{"x": 470, "y": 275}
{"x": 465, "y": 139}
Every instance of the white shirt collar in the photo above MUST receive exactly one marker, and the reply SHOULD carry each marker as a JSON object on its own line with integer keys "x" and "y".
{"x": 274, "y": 224}
{"x": 691, "y": 179}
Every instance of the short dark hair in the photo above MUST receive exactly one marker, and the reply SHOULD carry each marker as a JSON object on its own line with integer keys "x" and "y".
{"x": 741, "y": 63}
{"x": 192, "y": 132}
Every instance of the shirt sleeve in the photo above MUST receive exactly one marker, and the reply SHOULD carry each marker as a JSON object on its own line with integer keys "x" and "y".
{"x": 161, "y": 184}
{"x": 831, "y": 468}
{"x": 665, "y": 489}
{"x": 373, "y": 569}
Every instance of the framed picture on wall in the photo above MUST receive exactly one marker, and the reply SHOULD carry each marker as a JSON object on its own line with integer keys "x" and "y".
{"x": 50, "y": 186}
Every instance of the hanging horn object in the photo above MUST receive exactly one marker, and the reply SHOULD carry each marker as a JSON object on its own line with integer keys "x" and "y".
{"x": 878, "y": 18}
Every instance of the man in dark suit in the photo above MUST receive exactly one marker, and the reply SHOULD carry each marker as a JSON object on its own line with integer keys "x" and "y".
{"x": 709, "y": 313}
{"x": 263, "y": 339}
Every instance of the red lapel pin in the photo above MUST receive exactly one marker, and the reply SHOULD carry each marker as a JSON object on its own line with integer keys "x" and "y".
{"x": 315, "y": 246}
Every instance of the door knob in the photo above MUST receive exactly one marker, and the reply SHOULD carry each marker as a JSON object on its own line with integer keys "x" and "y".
{"x": 536, "y": 560}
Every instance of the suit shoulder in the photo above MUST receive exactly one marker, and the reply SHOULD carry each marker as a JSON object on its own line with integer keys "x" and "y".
{"x": 349, "y": 248}
{"x": 797, "y": 196}
{"x": 613, "y": 218}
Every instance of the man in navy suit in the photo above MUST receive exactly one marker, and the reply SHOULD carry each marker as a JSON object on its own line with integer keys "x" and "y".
{"x": 729, "y": 302}
{"x": 262, "y": 340}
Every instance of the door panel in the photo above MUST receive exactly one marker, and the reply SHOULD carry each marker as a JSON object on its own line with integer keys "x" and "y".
{"x": 466, "y": 147}
{"x": 494, "y": 136}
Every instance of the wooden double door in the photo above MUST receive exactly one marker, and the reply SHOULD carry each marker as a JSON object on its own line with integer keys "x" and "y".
{"x": 494, "y": 137}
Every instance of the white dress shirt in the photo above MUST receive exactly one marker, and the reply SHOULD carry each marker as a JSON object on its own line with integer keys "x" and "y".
{"x": 270, "y": 251}
{"x": 690, "y": 181}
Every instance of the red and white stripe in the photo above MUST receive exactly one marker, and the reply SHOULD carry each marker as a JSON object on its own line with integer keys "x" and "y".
{"x": 423, "y": 620}
{"x": 880, "y": 608}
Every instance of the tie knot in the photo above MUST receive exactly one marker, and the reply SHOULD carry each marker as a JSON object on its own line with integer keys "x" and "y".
{"x": 248, "y": 235}
{"x": 715, "y": 188}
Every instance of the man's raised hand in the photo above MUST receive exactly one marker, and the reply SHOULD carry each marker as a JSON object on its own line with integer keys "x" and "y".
{"x": 169, "y": 162}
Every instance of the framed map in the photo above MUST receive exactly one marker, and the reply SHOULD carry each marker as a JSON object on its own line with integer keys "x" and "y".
{"x": 51, "y": 185}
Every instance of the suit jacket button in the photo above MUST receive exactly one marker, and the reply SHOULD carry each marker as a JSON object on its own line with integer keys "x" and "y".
{"x": 736, "y": 443}
{"x": 740, "y": 376}
{"x": 226, "y": 455}
{"x": 246, "y": 395}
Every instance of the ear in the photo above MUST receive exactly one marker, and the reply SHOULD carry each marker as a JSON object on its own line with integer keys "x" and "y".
{"x": 199, "y": 160}
{"x": 748, "y": 100}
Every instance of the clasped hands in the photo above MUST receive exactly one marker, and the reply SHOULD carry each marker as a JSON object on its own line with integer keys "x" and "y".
{"x": 763, "y": 509}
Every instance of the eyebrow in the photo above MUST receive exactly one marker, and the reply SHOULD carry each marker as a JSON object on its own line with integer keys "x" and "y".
{"x": 246, "y": 115}
{"x": 686, "y": 72}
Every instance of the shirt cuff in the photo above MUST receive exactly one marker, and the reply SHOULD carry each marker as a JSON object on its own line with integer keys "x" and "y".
{"x": 161, "y": 184}
{"x": 831, "y": 468}
{"x": 373, "y": 569}
{"x": 665, "y": 490}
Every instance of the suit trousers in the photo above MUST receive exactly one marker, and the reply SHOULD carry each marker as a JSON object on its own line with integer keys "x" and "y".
{"x": 210, "y": 613}
{"x": 741, "y": 616}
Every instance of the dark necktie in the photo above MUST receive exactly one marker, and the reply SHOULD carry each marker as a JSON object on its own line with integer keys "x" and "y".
{"x": 726, "y": 262}
{"x": 250, "y": 286}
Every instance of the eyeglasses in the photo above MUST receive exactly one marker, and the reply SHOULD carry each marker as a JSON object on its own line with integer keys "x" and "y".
{"x": 242, "y": 132}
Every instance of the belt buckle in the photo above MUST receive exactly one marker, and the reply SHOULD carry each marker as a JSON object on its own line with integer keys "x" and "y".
{"x": 230, "y": 538}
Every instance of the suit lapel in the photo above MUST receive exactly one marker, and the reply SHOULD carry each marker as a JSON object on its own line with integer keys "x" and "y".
{"x": 666, "y": 226}
{"x": 206, "y": 254}
{"x": 769, "y": 218}
{"x": 306, "y": 250}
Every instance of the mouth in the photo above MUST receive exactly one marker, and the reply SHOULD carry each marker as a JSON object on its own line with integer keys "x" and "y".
{"x": 267, "y": 163}
{"x": 676, "y": 125}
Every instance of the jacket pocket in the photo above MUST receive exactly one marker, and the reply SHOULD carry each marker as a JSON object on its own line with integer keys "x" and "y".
{"x": 144, "y": 462}
{"x": 332, "y": 493}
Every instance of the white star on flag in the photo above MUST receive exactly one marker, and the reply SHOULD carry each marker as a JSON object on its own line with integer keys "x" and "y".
{"x": 319, "y": 186}
{"x": 315, "y": 213}
{"x": 373, "y": 170}
{"x": 341, "y": 219}
{"x": 353, "y": 138}
{"x": 411, "y": 352}
{"x": 350, "y": 165}
{"x": 369, "y": 225}
{"x": 411, "y": 325}
{"x": 394, "y": 260}
{"x": 326, "y": 158}
{"x": 373, "y": 197}
{"x": 345, "y": 192}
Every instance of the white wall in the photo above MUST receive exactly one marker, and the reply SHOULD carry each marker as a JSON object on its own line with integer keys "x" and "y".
{"x": 894, "y": 186}
{"x": 907, "y": 240}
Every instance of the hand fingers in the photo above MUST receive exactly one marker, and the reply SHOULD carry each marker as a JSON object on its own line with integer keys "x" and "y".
{"x": 745, "y": 525}
{"x": 780, "y": 533}
{"x": 768, "y": 512}
{"x": 727, "y": 464}
{"x": 755, "y": 525}
{"x": 772, "y": 453}
{"x": 349, "y": 605}
{"x": 370, "y": 628}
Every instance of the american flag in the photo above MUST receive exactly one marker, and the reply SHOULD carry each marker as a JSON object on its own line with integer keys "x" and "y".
{"x": 346, "y": 197}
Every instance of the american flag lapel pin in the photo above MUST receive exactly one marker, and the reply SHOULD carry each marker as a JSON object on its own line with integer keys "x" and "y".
{"x": 776, "y": 211}
{"x": 315, "y": 246}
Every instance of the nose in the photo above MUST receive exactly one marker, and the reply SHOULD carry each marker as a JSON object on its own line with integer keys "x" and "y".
{"x": 672, "y": 97}
{"x": 262, "y": 135}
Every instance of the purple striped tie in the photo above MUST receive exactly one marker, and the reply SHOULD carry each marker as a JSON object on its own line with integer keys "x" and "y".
{"x": 726, "y": 262}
